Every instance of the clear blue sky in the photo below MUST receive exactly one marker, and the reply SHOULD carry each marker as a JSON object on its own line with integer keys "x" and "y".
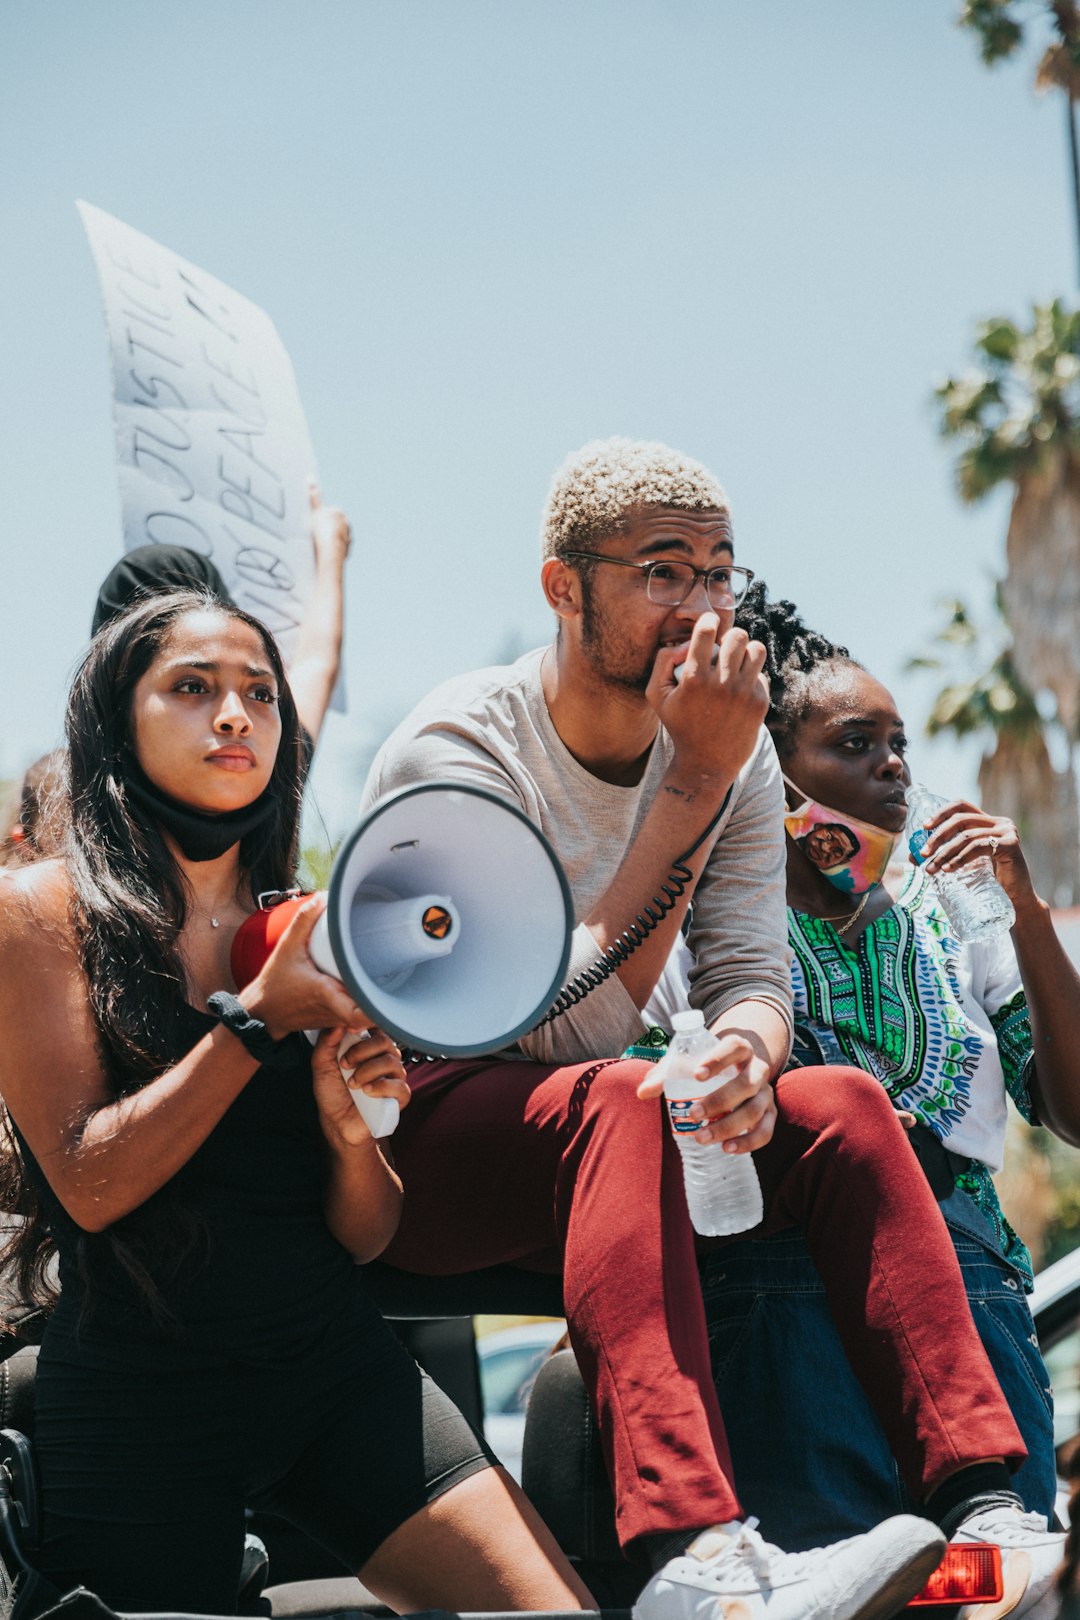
{"x": 489, "y": 230}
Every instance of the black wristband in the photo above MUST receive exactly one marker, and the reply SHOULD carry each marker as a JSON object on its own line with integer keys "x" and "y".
{"x": 250, "y": 1031}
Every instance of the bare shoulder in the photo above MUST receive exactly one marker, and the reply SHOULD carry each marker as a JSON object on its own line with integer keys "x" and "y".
{"x": 50, "y": 1066}
{"x": 35, "y": 908}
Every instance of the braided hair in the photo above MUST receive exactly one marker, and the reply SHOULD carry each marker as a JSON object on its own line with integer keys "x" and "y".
{"x": 796, "y": 658}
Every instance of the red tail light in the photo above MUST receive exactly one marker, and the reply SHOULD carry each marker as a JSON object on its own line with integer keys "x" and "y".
{"x": 965, "y": 1575}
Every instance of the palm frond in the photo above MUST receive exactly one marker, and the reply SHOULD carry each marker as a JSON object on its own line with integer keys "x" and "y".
{"x": 992, "y": 700}
{"x": 998, "y": 30}
{"x": 1018, "y": 410}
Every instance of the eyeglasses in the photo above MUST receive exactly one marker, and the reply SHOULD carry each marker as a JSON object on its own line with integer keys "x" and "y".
{"x": 667, "y": 584}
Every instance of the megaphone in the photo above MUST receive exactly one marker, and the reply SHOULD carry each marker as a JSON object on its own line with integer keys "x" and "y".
{"x": 448, "y": 919}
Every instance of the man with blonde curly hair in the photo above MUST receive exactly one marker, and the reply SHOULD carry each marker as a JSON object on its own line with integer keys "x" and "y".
{"x": 598, "y": 486}
{"x": 635, "y": 742}
{"x": 592, "y": 496}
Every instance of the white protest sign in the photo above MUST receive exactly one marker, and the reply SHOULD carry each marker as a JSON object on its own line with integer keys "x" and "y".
{"x": 212, "y": 447}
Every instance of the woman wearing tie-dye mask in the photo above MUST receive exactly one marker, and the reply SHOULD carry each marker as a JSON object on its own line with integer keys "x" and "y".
{"x": 950, "y": 1030}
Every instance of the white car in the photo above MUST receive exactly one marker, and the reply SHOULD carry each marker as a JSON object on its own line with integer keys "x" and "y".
{"x": 510, "y": 1359}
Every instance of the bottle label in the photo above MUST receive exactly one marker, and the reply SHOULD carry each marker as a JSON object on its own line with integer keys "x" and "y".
{"x": 678, "y": 1108}
{"x": 917, "y": 843}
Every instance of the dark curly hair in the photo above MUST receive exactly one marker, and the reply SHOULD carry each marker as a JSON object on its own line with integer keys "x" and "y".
{"x": 796, "y": 659}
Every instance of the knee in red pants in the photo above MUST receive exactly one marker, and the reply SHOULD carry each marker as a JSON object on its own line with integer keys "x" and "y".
{"x": 840, "y": 1166}
{"x": 823, "y": 1100}
{"x": 832, "y": 1118}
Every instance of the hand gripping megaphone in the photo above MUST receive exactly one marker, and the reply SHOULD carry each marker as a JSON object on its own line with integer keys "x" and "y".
{"x": 448, "y": 919}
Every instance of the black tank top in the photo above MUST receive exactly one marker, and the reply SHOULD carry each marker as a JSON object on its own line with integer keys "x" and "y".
{"x": 236, "y": 1243}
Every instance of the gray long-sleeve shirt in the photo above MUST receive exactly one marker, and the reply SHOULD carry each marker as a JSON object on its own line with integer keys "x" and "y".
{"x": 491, "y": 728}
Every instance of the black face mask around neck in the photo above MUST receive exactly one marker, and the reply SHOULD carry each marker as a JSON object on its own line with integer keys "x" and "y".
{"x": 201, "y": 834}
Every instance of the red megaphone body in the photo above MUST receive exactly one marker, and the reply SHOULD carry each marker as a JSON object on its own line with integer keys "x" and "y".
{"x": 254, "y": 942}
{"x": 258, "y": 934}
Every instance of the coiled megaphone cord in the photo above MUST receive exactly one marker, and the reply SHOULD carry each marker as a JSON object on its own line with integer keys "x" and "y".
{"x": 645, "y": 923}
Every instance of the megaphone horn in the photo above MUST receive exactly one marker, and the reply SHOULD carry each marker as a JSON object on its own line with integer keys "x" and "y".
{"x": 448, "y": 919}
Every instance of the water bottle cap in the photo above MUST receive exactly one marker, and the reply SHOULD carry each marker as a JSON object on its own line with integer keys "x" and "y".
{"x": 693, "y": 1018}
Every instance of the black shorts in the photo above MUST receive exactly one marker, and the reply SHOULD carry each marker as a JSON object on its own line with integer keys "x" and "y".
{"x": 149, "y": 1456}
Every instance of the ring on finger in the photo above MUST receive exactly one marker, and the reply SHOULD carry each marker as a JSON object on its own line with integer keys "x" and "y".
{"x": 994, "y": 846}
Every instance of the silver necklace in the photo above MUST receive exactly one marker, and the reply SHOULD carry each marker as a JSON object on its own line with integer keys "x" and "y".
{"x": 209, "y": 916}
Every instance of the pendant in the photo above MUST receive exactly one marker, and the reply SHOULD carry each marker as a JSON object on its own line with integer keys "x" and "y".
{"x": 214, "y": 923}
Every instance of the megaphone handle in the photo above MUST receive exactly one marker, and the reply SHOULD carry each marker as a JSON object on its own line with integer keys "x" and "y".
{"x": 380, "y": 1114}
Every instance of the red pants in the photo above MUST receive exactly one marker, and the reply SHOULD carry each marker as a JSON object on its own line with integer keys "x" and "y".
{"x": 563, "y": 1168}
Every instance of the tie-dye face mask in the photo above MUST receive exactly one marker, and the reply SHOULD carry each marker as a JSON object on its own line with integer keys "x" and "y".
{"x": 852, "y": 854}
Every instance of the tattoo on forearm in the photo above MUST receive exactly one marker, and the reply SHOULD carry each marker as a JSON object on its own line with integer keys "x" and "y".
{"x": 680, "y": 793}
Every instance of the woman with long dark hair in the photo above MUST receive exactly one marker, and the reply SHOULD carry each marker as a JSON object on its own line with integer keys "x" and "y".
{"x": 205, "y": 1178}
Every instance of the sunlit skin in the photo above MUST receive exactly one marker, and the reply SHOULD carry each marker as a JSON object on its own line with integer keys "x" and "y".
{"x": 850, "y": 754}
{"x": 204, "y": 716}
{"x": 206, "y": 730}
{"x": 623, "y": 631}
{"x": 206, "y": 727}
{"x": 609, "y": 683}
{"x": 608, "y": 680}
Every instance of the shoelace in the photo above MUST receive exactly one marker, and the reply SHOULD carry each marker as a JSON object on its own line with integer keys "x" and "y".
{"x": 749, "y": 1547}
{"x": 1006, "y": 1528}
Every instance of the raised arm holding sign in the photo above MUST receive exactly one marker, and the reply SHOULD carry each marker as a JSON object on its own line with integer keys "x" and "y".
{"x": 213, "y": 450}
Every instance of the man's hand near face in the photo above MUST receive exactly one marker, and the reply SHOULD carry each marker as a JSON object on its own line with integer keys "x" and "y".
{"x": 714, "y": 711}
{"x": 645, "y": 771}
{"x": 713, "y": 715}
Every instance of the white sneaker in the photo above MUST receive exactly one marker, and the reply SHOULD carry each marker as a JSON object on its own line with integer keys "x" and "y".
{"x": 1031, "y": 1556}
{"x": 730, "y": 1573}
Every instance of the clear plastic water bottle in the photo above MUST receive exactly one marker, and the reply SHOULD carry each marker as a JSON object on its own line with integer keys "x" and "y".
{"x": 723, "y": 1193}
{"x": 971, "y": 897}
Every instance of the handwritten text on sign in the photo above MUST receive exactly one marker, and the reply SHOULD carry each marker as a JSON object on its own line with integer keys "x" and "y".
{"x": 212, "y": 446}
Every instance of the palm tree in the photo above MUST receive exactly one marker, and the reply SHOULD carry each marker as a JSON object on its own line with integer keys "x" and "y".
{"x": 1001, "y": 34}
{"x": 1017, "y": 417}
{"x": 1017, "y": 777}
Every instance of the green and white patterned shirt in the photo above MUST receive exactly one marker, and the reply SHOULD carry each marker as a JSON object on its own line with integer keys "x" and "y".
{"x": 943, "y": 1026}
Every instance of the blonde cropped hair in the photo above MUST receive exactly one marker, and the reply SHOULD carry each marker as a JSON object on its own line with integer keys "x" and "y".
{"x": 598, "y": 486}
